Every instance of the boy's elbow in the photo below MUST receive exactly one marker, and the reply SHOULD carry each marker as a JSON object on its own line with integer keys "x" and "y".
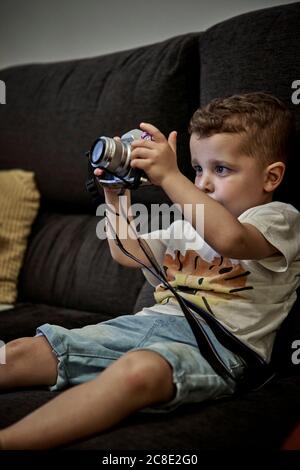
{"x": 118, "y": 259}
{"x": 125, "y": 261}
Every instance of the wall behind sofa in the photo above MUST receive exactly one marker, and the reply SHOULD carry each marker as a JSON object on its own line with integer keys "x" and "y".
{"x": 51, "y": 30}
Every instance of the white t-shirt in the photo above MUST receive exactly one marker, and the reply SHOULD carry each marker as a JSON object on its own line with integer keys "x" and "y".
{"x": 249, "y": 297}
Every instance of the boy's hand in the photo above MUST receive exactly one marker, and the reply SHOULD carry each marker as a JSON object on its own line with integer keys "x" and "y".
{"x": 111, "y": 194}
{"x": 156, "y": 157}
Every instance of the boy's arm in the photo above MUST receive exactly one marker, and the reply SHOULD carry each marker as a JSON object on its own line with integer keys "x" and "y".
{"x": 222, "y": 231}
{"x": 120, "y": 226}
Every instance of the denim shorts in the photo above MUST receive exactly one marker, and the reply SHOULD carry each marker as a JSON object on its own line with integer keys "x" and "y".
{"x": 84, "y": 352}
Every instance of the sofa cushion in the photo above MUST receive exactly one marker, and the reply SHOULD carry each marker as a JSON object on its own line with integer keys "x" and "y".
{"x": 259, "y": 420}
{"x": 57, "y": 110}
{"x": 68, "y": 266}
{"x": 285, "y": 356}
{"x": 256, "y": 51}
{"x": 19, "y": 203}
{"x": 145, "y": 297}
{"x": 25, "y": 317}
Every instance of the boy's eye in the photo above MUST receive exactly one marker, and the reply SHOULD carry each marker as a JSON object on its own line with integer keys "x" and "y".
{"x": 221, "y": 169}
{"x": 197, "y": 168}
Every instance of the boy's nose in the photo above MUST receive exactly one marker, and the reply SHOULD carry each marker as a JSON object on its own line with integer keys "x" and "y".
{"x": 205, "y": 184}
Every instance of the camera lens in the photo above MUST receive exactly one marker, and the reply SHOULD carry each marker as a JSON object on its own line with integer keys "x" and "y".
{"x": 97, "y": 152}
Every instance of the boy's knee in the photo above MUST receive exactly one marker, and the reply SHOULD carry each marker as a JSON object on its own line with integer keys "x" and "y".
{"x": 17, "y": 348}
{"x": 148, "y": 372}
{"x": 29, "y": 361}
{"x": 27, "y": 348}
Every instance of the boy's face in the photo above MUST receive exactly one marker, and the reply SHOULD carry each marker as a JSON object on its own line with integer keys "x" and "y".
{"x": 234, "y": 180}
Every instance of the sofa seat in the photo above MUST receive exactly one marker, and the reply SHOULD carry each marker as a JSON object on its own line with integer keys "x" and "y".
{"x": 258, "y": 420}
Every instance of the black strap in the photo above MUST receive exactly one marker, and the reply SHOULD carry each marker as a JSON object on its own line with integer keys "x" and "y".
{"x": 258, "y": 371}
{"x": 205, "y": 345}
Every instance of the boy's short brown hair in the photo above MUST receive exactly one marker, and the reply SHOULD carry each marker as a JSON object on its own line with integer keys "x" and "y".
{"x": 262, "y": 119}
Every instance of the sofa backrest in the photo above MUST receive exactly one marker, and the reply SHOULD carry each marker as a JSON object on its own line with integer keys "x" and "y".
{"x": 55, "y": 111}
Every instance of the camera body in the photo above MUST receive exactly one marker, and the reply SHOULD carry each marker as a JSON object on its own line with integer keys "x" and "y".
{"x": 113, "y": 156}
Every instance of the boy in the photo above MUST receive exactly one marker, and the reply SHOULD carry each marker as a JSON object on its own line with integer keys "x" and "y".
{"x": 239, "y": 147}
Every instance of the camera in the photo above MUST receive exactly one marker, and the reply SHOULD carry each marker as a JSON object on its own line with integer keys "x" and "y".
{"x": 113, "y": 156}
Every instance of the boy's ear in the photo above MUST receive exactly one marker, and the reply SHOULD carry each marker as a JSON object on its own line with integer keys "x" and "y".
{"x": 273, "y": 176}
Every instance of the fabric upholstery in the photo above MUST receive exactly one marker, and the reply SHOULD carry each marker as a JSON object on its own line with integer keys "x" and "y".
{"x": 26, "y": 317}
{"x": 68, "y": 266}
{"x": 65, "y": 106}
{"x": 258, "y": 421}
{"x": 145, "y": 297}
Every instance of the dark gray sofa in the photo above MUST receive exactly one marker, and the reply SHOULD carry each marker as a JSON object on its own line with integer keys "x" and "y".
{"x": 54, "y": 111}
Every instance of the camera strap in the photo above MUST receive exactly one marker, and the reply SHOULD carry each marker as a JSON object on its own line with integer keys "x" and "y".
{"x": 257, "y": 371}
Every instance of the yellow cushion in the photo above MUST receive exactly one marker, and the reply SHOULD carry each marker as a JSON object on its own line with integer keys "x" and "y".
{"x": 19, "y": 203}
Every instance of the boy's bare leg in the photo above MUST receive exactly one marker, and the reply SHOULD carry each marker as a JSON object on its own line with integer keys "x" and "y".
{"x": 136, "y": 380}
{"x": 29, "y": 362}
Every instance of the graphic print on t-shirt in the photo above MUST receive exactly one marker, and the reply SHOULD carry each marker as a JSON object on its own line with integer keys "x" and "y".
{"x": 203, "y": 283}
